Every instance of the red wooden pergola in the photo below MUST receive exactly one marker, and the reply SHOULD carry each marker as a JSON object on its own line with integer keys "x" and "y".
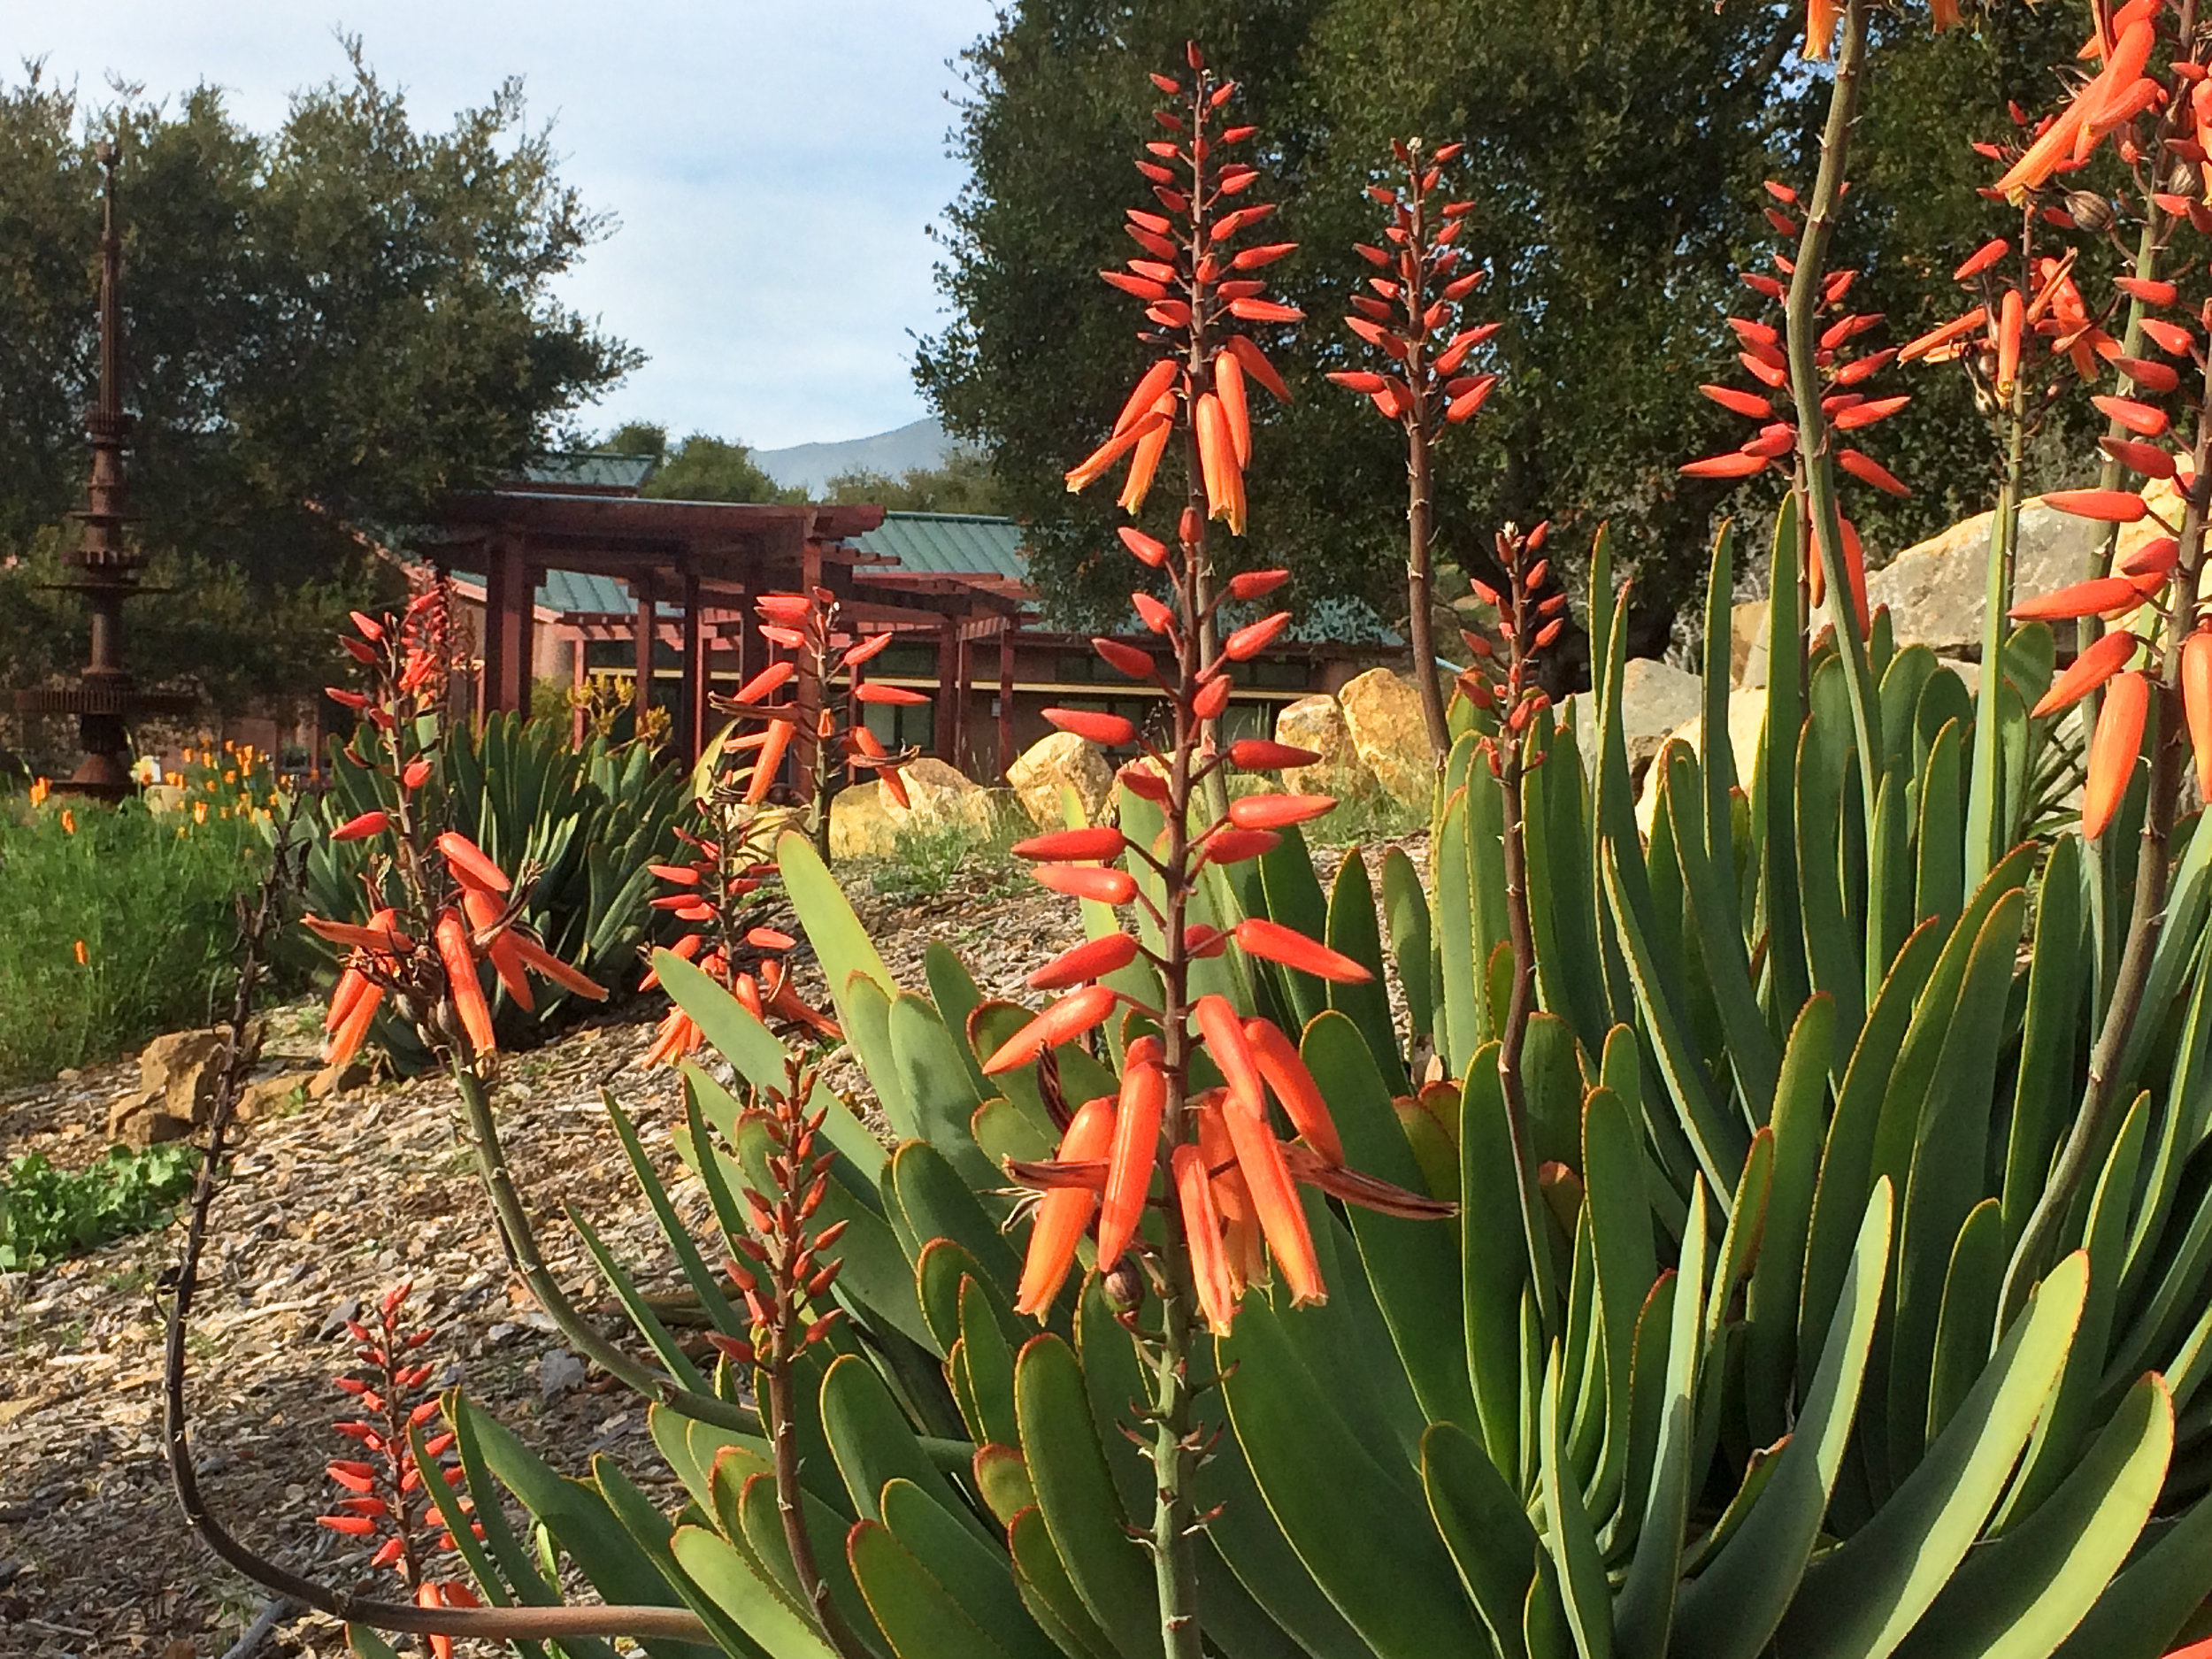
{"x": 709, "y": 560}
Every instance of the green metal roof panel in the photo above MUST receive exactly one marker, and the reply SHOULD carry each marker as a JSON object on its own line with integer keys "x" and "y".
{"x": 590, "y": 471}
{"x": 949, "y": 544}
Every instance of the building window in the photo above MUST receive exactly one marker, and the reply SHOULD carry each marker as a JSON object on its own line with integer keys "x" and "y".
{"x": 898, "y": 726}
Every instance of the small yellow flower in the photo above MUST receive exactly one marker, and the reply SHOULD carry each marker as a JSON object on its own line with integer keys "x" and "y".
{"x": 40, "y": 789}
{"x": 199, "y": 811}
{"x": 173, "y": 778}
{"x": 68, "y": 821}
{"x": 231, "y": 776}
{"x": 83, "y": 959}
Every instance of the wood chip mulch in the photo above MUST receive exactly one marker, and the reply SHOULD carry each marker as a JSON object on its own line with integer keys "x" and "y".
{"x": 327, "y": 1206}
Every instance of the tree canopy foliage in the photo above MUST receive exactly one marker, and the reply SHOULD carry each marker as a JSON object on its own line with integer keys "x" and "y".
{"x": 1615, "y": 151}
{"x": 327, "y": 327}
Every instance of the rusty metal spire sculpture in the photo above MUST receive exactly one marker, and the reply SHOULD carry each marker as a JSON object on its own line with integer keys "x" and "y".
{"x": 104, "y": 699}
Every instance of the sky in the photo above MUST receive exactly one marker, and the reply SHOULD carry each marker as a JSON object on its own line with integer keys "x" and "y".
{"x": 774, "y": 165}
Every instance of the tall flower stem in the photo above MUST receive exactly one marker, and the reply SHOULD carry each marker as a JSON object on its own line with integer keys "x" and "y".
{"x": 1174, "y": 1451}
{"x": 1985, "y": 816}
{"x": 1815, "y": 451}
{"x": 2086, "y": 1141}
{"x": 522, "y": 1240}
{"x": 1520, "y": 1005}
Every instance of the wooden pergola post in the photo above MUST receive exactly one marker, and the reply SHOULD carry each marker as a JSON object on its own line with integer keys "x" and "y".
{"x": 641, "y": 638}
{"x": 692, "y": 709}
{"x": 947, "y": 732}
{"x": 1005, "y": 697}
{"x": 507, "y": 613}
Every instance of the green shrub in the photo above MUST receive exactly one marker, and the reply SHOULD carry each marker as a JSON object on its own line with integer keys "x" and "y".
{"x": 119, "y": 925}
{"x": 925, "y": 863}
{"x": 588, "y": 820}
{"x": 46, "y": 1213}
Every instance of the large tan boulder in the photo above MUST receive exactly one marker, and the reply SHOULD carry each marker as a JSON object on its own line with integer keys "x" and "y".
{"x": 177, "y": 1076}
{"x": 1747, "y": 724}
{"x": 938, "y": 795}
{"x": 1935, "y": 590}
{"x": 1747, "y": 642}
{"x": 1656, "y": 699}
{"x": 1060, "y": 760}
{"x": 1317, "y": 723}
{"x": 1382, "y": 715}
{"x": 860, "y": 823}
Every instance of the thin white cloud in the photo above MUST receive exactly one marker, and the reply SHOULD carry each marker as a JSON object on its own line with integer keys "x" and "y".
{"x": 774, "y": 164}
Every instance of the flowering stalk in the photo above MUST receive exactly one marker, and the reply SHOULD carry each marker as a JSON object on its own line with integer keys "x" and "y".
{"x": 440, "y": 910}
{"x": 715, "y": 891}
{"x": 778, "y": 1268}
{"x": 1412, "y": 318}
{"x": 2026, "y": 301}
{"x": 383, "y": 1487}
{"x": 1196, "y": 288}
{"x": 1230, "y": 1182}
{"x": 2156, "y": 588}
{"x": 1530, "y": 621}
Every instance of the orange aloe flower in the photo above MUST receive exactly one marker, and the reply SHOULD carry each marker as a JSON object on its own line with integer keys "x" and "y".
{"x": 1064, "y": 1211}
{"x": 2196, "y": 702}
{"x": 2113, "y": 751}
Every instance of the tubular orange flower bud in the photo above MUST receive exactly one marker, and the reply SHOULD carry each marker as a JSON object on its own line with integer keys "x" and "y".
{"x": 2095, "y": 666}
{"x": 2145, "y": 420}
{"x": 1103, "y": 883}
{"x": 776, "y": 740}
{"x": 1217, "y": 463}
{"x": 1155, "y": 380}
{"x": 1869, "y": 471}
{"x": 1736, "y": 464}
{"x": 1110, "y": 730}
{"x": 1259, "y": 754}
{"x": 483, "y": 912}
{"x": 1235, "y": 845}
{"x": 467, "y": 861}
{"x": 2113, "y": 751}
{"x": 2170, "y": 337}
{"x": 1073, "y": 845}
{"x": 2156, "y": 557}
{"x": 1982, "y": 258}
{"x": 1255, "y": 637}
{"x": 1229, "y": 384}
{"x": 1132, "y": 660}
{"x": 1223, "y": 1034}
{"x": 1248, "y": 584}
{"x": 1068, "y": 1018}
{"x": 1148, "y": 550}
{"x": 1866, "y": 414}
{"x": 2093, "y": 597}
{"x": 361, "y": 829}
{"x": 1282, "y": 1218}
{"x": 1957, "y": 328}
{"x": 2110, "y": 506}
{"x": 1064, "y": 1212}
{"x": 877, "y": 691}
{"x": 1202, "y": 1233}
{"x": 2146, "y": 458}
{"x": 1091, "y": 960}
{"x": 1273, "y": 811}
{"x": 1286, "y": 1074}
{"x": 346, "y": 1037}
{"x": 2008, "y": 322}
{"x": 1278, "y": 943}
{"x": 767, "y": 681}
{"x": 543, "y": 962}
{"x": 2149, "y": 291}
{"x": 2196, "y": 702}
{"x": 1255, "y": 363}
{"x": 1093, "y": 466}
{"x": 460, "y": 968}
{"x": 1135, "y": 1152}
{"x": 1739, "y": 403}
{"x": 1213, "y": 695}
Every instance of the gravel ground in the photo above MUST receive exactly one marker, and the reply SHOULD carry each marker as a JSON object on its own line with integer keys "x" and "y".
{"x": 327, "y": 1206}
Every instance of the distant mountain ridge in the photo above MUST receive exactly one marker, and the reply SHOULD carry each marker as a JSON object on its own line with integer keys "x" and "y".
{"x": 920, "y": 443}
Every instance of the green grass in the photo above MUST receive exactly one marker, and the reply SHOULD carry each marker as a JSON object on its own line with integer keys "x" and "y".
{"x": 46, "y": 1213}
{"x": 926, "y": 864}
{"x": 147, "y": 900}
